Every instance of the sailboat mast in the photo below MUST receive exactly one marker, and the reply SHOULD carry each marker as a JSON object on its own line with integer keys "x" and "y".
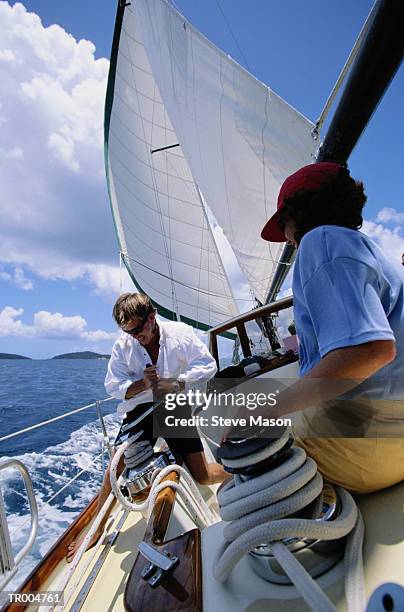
{"x": 376, "y": 63}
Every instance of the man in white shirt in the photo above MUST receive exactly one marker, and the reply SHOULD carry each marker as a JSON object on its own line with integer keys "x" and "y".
{"x": 151, "y": 359}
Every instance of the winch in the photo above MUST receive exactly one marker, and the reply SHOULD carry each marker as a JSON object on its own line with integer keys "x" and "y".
{"x": 139, "y": 478}
{"x": 141, "y": 462}
{"x": 277, "y": 501}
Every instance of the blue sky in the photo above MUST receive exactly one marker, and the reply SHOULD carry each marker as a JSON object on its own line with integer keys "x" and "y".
{"x": 59, "y": 274}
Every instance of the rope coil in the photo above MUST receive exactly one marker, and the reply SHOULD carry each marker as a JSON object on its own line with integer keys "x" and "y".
{"x": 257, "y": 510}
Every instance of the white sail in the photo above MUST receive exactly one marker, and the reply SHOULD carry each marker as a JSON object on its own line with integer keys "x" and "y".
{"x": 240, "y": 139}
{"x": 162, "y": 227}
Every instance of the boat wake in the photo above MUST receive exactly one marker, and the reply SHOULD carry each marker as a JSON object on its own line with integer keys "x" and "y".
{"x": 51, "y": 470}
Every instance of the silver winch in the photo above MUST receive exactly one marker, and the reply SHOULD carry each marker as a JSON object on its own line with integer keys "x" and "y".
{"x": 316, "y": 556}
{"x": 141, "y": 461}
{"x": 139, "y": 478}
{"x": 276, "y": 482}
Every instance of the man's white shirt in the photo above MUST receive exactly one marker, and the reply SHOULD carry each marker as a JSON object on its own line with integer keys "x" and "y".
{"x": 182, "y": 356}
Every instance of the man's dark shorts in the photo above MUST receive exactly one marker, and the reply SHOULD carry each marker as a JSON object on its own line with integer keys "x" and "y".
{"x": 178, "y": 446}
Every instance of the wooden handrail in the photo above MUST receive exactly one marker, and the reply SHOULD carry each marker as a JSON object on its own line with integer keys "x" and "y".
{"x": 256, "y": 313}
{"x": 240, "y": 321}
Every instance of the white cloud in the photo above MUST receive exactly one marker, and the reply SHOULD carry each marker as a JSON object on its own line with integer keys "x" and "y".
{"x": 15, "y": 153}
{"x": 17, "y": 278}
{"x": 109, "y": 280}
{"x": 390, "y": 241}
{"x": 390, "y": 215}
{"x": 21, "y": 281}
{"x": 48, "y": 325}
{"x": 6, "y": 55}
{"x": 54, "y": 208}
{"x": 10, "y": 325}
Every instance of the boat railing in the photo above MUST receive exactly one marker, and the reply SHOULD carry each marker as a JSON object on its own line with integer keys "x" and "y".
{"x": 239, "y": 323}
{"x": 95, "y": 404}
{"x": 8, "y": 563}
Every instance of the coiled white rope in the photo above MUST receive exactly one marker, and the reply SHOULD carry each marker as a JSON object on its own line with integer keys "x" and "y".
{"x": 186, "y": 488}
{"x": 256, "y": 511}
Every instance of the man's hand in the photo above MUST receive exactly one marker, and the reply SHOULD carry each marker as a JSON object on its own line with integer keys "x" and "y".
{"x": 150, "y": 377}
{"x": 164, "y": 386}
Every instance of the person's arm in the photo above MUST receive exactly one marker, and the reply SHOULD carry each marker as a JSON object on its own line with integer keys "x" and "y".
{"x": 119, "y": 381}
{"x": 352, "y": 332}
{"x": 150, "y": 378}
{"x": 336, "y": 373}
{"x": 199, "y": 363}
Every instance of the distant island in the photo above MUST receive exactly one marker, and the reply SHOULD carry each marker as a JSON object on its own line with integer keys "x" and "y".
{"x": 12, "y": 356}
{"x": 82, "y": 355}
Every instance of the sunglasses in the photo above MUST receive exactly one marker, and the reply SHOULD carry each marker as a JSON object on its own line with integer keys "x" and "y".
{"x": 135, "y": 331}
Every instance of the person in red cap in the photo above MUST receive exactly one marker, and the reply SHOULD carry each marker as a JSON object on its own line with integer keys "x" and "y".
{"x": 349, "y": 316}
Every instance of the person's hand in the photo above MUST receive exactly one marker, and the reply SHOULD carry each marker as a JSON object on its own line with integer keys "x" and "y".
{"x": 150, "y": 377}
{"x": 164, "y": 386}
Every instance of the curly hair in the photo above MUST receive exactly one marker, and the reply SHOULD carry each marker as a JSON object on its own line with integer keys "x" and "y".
{"x": 339, "y": 203}
{"x": 131, "y": 306}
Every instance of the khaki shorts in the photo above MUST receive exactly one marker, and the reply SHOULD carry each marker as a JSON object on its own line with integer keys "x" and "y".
{"x": 366, "y": 450}
{"x": 360, "y": 465}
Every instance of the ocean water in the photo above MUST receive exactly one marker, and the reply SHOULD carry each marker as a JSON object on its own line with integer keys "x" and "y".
{"x": 31, "y": 392}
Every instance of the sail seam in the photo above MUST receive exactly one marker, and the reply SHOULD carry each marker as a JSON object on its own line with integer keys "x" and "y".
{"x": 150, "y": 186}
{"x": 139, "y": 199}
{"x": 157, "y": 200}
{"x": 126, "y": 256}
{"x": 185, "y": 180}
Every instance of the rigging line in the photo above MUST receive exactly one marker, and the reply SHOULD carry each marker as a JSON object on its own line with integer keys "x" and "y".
{"x": 165, "y": 156}
{"x": 136, "y": 261}
{"x": 196, "y": 187}
{"x": 174, "y": 297}
{"x": 223, "y": 155}
{"x": 232, "y": 35}
{"x": 157, "y": 199}
{"x": 354, "y": 52}
{"x": 120, "y": 273}
{"x": 43, "y": 423}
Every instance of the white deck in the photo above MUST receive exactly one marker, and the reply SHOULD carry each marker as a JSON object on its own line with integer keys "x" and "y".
{"x": 383, "y": 554}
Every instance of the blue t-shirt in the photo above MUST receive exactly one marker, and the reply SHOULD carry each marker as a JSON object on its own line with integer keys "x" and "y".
{"x": 347, "y": 292}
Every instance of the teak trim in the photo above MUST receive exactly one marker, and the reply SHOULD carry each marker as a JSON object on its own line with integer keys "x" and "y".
{"x": 240, "y": 321}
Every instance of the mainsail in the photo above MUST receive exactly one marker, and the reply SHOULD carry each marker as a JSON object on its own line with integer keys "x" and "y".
{"x": 185, "y": 125}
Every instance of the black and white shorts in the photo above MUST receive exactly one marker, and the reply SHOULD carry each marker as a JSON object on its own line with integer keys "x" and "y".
{"x": 178, "y": 446}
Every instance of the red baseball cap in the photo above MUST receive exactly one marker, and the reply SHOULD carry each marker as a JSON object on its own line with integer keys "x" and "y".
{"x": 308, "y": 178}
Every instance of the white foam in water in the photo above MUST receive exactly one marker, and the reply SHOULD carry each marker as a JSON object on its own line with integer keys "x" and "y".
{"x": 50, "y": 471}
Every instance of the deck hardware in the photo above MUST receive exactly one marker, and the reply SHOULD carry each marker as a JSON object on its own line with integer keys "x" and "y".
{"x": 160, "y": 564}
